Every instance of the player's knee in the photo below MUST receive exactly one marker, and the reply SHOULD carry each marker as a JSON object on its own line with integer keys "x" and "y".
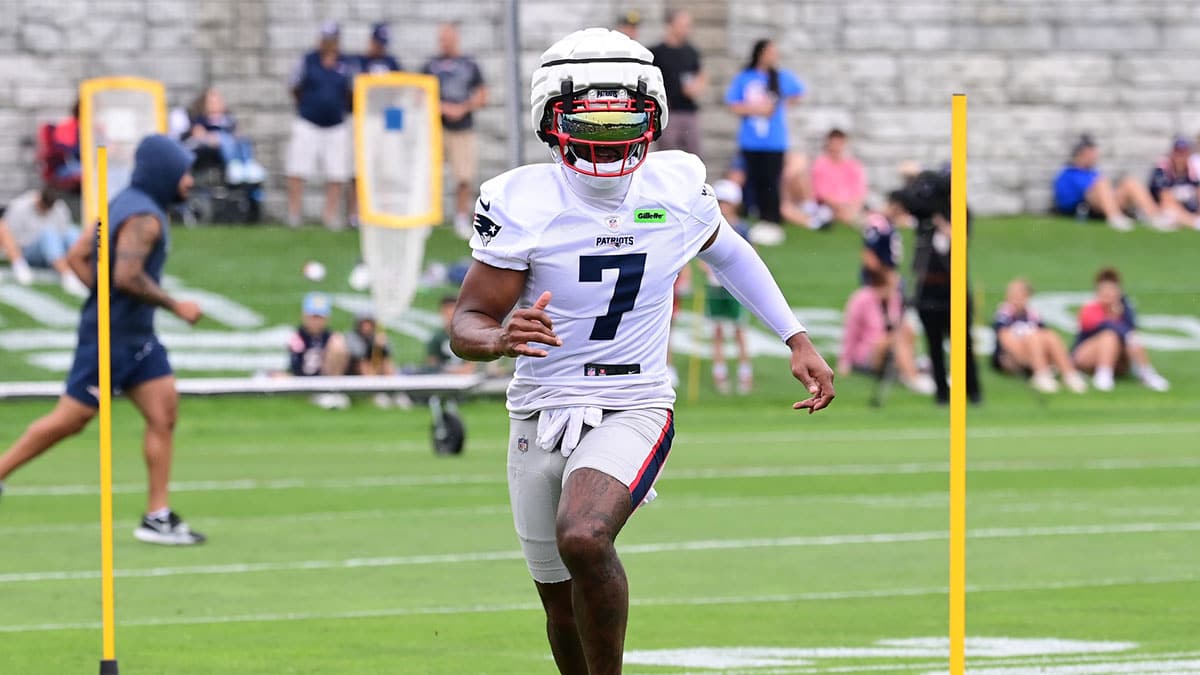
{"x": 163, "y": 420}
{"x": 582, "y": 542}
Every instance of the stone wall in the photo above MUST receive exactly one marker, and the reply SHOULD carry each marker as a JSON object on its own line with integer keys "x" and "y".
{"x": 1038, "y": 72}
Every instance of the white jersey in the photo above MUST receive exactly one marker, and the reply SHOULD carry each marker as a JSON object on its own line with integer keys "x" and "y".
{"x": 610, "y": 272}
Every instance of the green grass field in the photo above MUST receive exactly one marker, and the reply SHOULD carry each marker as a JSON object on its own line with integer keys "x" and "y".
{"x": 781, "y": 543}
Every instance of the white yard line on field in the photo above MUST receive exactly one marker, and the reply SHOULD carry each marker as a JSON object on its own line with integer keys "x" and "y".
{"x": 780, "y": 471}
{"x": 1036, "y": 502}
{"x": 631, "y": 549}
{"x": 644, "y": 602}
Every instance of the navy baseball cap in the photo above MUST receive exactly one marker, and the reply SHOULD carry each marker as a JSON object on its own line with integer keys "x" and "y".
{"x": 1181, "y": 143}
{"x": 380, "y": 33}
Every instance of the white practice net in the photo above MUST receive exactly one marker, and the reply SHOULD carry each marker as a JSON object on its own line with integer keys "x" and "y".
{"x": 398, "y": 162}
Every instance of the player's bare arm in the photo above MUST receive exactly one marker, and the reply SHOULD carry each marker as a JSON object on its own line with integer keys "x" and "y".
{"x": 135, "y": 241}
{"x": 479, "y": 331}
{"x": 743, "y": 272}
{"x": 79, "y": 257}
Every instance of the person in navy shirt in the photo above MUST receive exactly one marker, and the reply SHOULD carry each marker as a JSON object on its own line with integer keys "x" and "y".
{"x": 140, "y": 236}
{"x": 1025, "y": 346}
{"x": 1175, "y": 184}
{"x": 1080, "y": 190}
{"x": 883, "y": 248}
{"x": 320, "y": 143}
{"x": 760, "y": 94}
{"x": 377, "y": 59}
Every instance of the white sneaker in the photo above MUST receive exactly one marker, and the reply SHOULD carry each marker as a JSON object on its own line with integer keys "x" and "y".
{"x": 402, "y": 401}
{"x": 73, "y": 286}
{"x": 1044, "y": 382}
{"x": 1163, "y": 222}
{"x": 294, "y": 220}
{"x": 1121, "y": 223}
{"x": 767, "y": 234}
{"x": 1103, "y": 379}
{"x": 331, "y": 401}
{"x": 254, "y": 173}
{"x": 1075, "y": 382}
{"x": 921, "y": 384}
{"x": 382, "y": 401}
{"x": 235, "y": 172}
{"x": 462, "y": 225}
{"x": 1153, "y": 381}
{"x": 21, "y": 272}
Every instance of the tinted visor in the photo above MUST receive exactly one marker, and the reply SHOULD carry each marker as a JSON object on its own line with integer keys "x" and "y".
{"x": 605, "y": 125}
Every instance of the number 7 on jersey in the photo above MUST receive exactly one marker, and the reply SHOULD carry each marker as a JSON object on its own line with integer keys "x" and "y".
{"x": 630, "y": 268}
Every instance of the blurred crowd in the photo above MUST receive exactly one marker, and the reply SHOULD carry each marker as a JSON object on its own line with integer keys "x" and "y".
{"x": 769, "y": 189}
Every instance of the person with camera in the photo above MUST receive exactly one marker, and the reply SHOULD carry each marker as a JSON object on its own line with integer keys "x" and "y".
{"x": 927, "y": 199}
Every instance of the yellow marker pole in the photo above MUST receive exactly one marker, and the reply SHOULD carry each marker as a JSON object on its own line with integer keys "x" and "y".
{"x": 958, "y": 375}
{"x": 108, "y": 664}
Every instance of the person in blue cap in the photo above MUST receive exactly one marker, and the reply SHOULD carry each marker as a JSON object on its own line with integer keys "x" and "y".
{"x": 140, "y": 239}
{"x": 377, "y": 59}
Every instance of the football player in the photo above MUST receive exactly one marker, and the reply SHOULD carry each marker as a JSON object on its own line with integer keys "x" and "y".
{"x": 140, "y": 241}
{"x": 587, "y": 249}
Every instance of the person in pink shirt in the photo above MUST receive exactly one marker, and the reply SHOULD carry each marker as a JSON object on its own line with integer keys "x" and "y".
{"x": 868, "y": 334}
{"x": 838, "y": 179}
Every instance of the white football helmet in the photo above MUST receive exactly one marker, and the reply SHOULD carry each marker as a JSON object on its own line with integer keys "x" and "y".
{"x": 598, "y": 101}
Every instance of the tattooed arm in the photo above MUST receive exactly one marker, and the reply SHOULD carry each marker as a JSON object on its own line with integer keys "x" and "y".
{"x": 135, "y": 241}
{"x": 79, "y": 257}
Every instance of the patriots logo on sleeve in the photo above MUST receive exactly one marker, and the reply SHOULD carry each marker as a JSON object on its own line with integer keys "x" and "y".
{"x": 486, "y": 228}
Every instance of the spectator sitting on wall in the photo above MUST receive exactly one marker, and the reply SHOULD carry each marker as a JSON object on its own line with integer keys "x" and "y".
{"x": 320, "y": 142}
{"x": 58, "y": 153}
{"x": 684, "y": 81}
{"x": 797, "y": 204}
{"x": 460, "y": 83}
{"x": 1081, "y": 191}
{"x": 1026, "y": 347}
{"x": 36, "y": 231}
{"x": 215, "y": 127}
{"x": 315, "y": 350}
{"x": 838, "y": 179}
{"x": 439, "y": 357}
{"x": 1175, "y": 185}
{"x": 628, "y": 23}
{"x": 1108, "y": 343}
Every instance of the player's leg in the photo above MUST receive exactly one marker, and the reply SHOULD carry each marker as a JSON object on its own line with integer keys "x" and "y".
{"x": 561, "y": 628}
{"x": 337, "y": 356}
{"x": 534, "y": 488}
{"x": 593, "y": 508}
{"x": 68, "y": 418}
{"x": 611, "y": 472}
{"x": 158, "y": 402}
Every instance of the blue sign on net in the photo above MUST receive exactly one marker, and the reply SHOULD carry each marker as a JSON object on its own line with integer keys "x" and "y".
{"x": 393, "y": 119}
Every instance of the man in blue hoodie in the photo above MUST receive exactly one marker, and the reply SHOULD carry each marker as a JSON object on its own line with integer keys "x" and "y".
{"x": 140, "y": 239}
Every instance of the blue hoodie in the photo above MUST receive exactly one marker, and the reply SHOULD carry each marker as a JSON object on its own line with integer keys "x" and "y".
{"x": 159, "y": 164}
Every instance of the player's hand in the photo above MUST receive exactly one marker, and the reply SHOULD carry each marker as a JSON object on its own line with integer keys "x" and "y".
{"x": 531, "y": 324}
{"x": 811, "y": 369}
{"x": 188, "y": 311}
